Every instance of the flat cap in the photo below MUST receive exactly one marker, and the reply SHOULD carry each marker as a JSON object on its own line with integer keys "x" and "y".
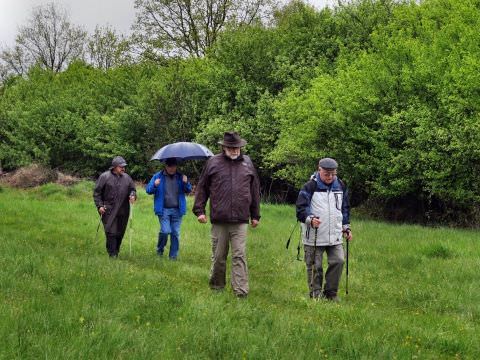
{"x": 328, "y": 164}
{"x": 118, "y": 161}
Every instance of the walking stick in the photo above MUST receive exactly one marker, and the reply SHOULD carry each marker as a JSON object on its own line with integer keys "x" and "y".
{"x": 291, "y": 233}
{"x": 98, "y": 227}
{"x": 346, "y": 278}
{"x": 96, "y": 238}
{"x": 131, "y": 229}
{"x": 313, "y": 265}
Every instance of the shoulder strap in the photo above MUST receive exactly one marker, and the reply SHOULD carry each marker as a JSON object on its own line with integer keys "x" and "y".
{"x": 310, "y": 186}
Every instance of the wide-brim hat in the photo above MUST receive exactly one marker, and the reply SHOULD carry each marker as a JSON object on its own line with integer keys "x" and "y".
{"x": 232, "y": 139}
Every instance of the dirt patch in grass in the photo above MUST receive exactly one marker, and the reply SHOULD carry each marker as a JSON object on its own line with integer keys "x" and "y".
{"x": 35, "y": 175}
{"x": 66, "y": 180}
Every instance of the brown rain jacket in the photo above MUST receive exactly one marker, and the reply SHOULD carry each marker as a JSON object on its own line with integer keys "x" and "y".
{"x": 233, "y": 188}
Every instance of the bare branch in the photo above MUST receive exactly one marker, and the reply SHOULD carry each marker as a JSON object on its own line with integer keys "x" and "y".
{"x": 190, "y": 27}
{"x": 106, "y": 49}
{"x": 48, "y": 39}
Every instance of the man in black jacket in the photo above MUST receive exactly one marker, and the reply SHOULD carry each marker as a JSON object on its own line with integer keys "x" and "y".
{"x": 114, "y": 191}
{"x": 231, "y": 182}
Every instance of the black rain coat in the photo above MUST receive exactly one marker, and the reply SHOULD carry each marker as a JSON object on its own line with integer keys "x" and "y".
{"x": 112, "y": 192}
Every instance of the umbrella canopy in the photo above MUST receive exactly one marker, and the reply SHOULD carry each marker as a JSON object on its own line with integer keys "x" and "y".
{"x": 183, "y": 151}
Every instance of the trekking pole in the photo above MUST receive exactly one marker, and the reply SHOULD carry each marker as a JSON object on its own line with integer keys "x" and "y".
{"x": 96, "y": 238}
{"x": 298, "y": 246}
{"x": 131, "y": 229}
{"x": 291, "y": 232}
{"x": 98, "y": 227}
{"x": 313, "y": 264}
{"x": 346, "y": 278}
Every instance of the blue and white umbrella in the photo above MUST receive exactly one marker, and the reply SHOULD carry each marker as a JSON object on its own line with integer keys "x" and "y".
{"x": 183, "y": 151}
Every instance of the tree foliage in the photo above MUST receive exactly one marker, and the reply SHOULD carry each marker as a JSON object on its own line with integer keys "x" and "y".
{"x": 388, "y": 88}
{"x": 399, "y": 115}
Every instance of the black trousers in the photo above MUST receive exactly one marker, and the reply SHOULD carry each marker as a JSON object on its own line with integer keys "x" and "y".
{"x": 113, "y": 244}
{"x": 114, "y": 240}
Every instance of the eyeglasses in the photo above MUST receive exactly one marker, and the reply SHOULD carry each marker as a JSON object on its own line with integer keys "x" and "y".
{"x": 328, "y": 173}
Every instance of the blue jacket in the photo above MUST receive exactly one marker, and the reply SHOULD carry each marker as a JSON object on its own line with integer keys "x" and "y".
{"x": 159, "y": 192}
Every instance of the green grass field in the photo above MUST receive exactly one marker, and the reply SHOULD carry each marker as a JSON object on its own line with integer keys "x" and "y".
{"x": 414, "y": 292}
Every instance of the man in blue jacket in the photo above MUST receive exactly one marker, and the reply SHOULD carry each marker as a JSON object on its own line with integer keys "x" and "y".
{"x": 169, "y": 188}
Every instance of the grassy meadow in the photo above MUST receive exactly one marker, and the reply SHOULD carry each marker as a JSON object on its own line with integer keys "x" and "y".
{"x": 414, "y": 292}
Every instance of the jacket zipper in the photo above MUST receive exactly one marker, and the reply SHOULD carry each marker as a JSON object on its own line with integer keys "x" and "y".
{"x": 231, "y": 189}
{"x": 329, "y": 217}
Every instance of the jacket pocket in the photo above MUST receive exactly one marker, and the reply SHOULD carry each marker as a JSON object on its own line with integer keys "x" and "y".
{"x": 338, "y": 200}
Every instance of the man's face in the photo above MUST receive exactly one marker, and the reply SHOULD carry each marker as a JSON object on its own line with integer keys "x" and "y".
{"x": 171, "y": 169}
{"x": 327, "y": 175}
{"x": 119, "y": 170}
{"x": 232, "y": 152}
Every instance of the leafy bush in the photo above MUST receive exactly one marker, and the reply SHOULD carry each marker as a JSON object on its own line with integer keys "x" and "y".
{"x": 388, "y": 88}
{"x": 402, "y": 118}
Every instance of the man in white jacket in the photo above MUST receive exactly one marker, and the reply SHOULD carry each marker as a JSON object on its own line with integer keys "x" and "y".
{"x": 323, "y": 208}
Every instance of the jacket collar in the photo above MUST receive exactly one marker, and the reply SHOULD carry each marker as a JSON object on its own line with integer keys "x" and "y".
{"x": 240, "y": 157}
{"x": 164, "y": 172}
{"x": 335, "y": 185}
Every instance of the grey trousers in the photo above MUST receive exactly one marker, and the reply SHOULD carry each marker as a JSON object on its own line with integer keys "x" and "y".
{"x": 222, "y": 236}
{"x": 313, "y": 260}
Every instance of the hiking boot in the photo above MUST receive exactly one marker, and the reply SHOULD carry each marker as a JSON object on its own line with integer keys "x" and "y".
{"x": 334, "y": 298}
{"x": 316, "y": 295}
{"x": 217, "y": 290}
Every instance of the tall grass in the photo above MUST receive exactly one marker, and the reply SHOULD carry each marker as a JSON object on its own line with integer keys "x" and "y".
{"x": 413, "y": 291}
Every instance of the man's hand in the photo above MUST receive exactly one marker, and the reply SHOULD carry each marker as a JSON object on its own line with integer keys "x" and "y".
{"x": 184, "y": 179}
{"x": 254, "y": 223}
{"x": 132, "y": 199}
{"x": 315, "y": 222}
{"x": 157, "y": 182}
{"x": 101, "y": 210}
{"x": 202, "y": 219}
{"x": 348, "y": 234}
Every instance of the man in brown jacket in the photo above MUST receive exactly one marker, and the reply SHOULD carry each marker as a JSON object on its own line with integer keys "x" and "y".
{"x": 231, "y": 182}
{"x": 114, "y": 191}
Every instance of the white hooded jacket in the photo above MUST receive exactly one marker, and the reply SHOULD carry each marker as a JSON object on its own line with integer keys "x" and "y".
{"x": 330, "y": 204}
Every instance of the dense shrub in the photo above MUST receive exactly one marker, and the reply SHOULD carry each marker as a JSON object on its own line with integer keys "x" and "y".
{"x": 402, "y": 118}
{"x": 388, "y": 88}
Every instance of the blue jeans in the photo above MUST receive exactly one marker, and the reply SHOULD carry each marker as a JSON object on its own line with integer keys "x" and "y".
{"x": 170, "y": 223}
